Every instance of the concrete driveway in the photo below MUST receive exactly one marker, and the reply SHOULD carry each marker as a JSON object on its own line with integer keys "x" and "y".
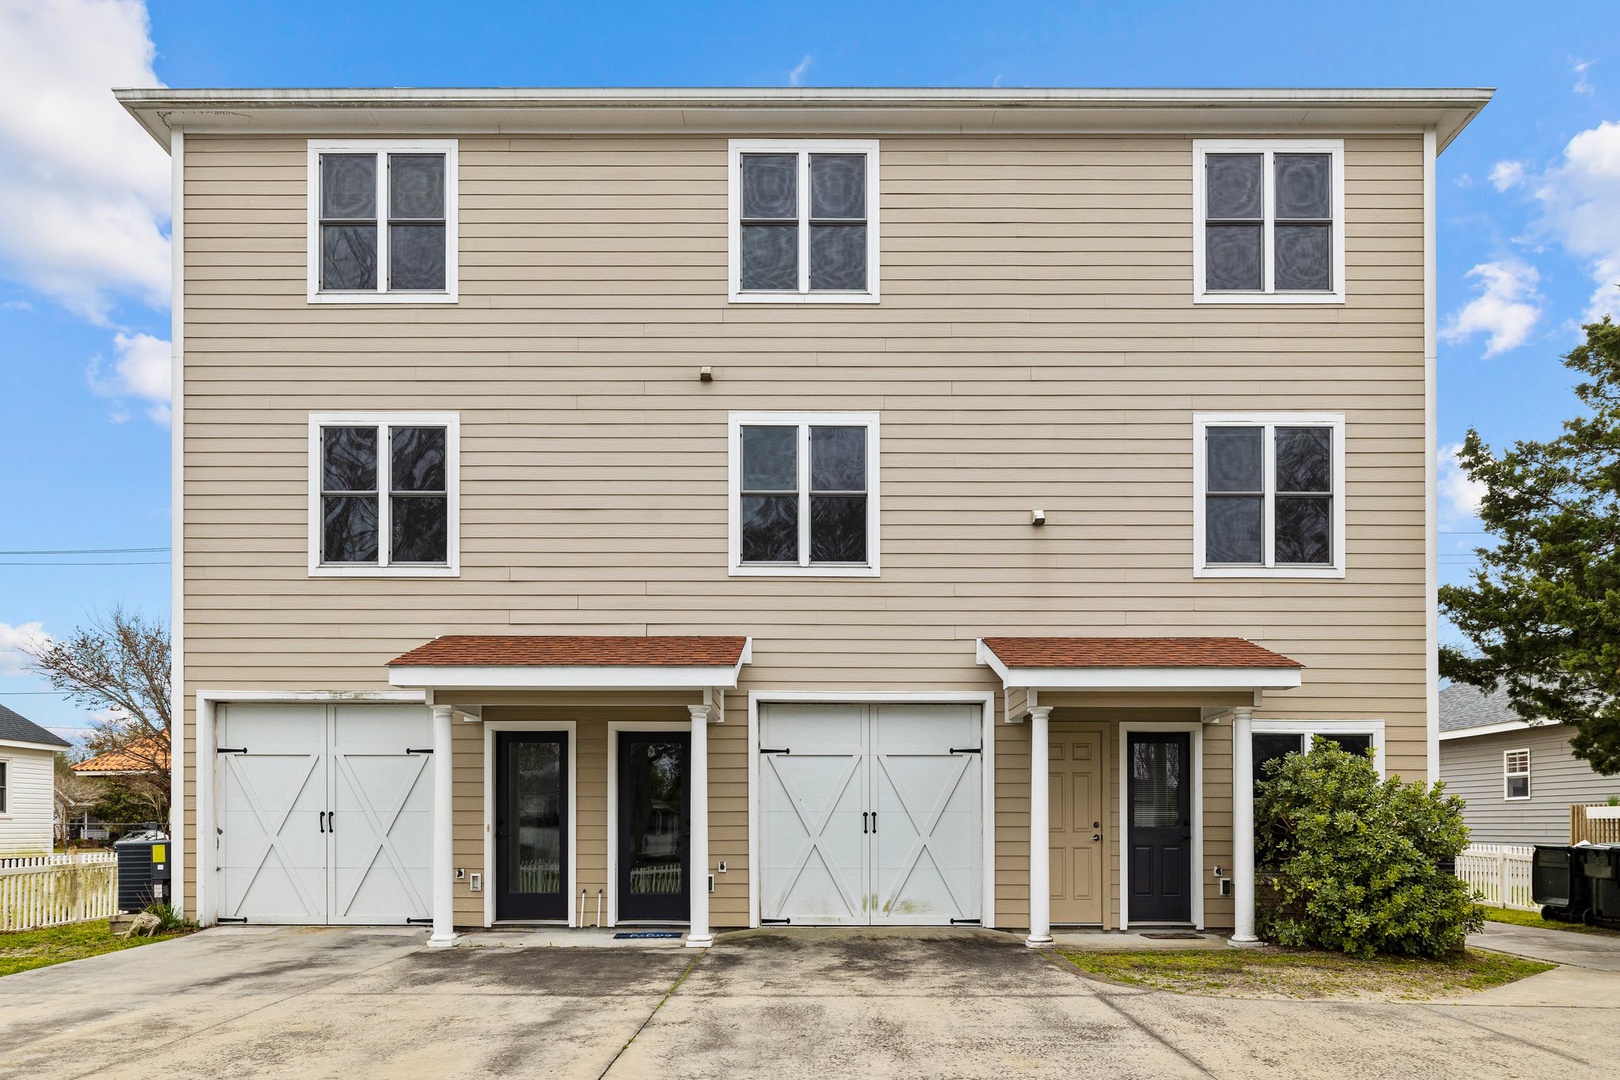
{"x": 252, "y": 1002}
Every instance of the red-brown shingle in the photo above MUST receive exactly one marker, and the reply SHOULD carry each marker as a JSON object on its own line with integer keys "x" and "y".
{"x": 515, "y": 650}
{"x": 1135, "y": 652}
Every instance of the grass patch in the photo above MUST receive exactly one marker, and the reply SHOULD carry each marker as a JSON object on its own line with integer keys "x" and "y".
{"x": 1306, "y": 973}
{"x": 1533, "y": 918}
{"x": 41, "y": 948}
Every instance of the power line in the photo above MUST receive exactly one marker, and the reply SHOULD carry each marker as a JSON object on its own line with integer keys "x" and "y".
{"x": 88, "y": 551}
{"x": 158, "y": 562}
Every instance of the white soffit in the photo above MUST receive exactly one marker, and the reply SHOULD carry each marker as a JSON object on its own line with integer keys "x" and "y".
{"x": 556, "y": 677}
{"x": 1140, "y": 678}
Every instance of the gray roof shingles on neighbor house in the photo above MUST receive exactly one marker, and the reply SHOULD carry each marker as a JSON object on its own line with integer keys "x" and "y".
{"x": 17, "y": 728}
{"x": 1464, "y": 706}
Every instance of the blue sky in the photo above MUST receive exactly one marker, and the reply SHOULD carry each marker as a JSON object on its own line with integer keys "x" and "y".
{"x": 1529, "y": 196}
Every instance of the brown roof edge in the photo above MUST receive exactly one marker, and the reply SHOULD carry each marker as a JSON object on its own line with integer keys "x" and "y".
{"x": 523, "y": 650}
{"x": 1134, "y": 652}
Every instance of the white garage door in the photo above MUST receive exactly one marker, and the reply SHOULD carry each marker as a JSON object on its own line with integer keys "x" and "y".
{"x": 324, "y": 813}
{"x": 870, "y": 814}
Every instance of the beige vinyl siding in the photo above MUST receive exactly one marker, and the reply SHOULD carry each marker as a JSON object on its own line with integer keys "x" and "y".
{"x": 1472, "y": 768}
{"x": 1036, "y": 345}
{"x": 27, "y": 825}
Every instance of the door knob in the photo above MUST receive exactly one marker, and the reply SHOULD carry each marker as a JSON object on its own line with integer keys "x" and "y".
{"x": 1096, "y": 836}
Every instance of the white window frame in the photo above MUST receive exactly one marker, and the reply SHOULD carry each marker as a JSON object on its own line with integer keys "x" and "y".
{"x": 451, "y": 422}
{"x": 6, "y": 780}
{"x": 804, "y": 421}
{"x": 1313, "y": 728}
{"x": 803, "y": 148}
{"x": 1268, "y": 293}
{"x": 382, "y": 295}
{"x": 1268, "y": 568}
{"x": 1508, "y": 774}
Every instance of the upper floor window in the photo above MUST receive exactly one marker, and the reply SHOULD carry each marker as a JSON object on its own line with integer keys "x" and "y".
{"x": 804, "y": 221}
{"x": 1269, "y": 221}
{"x": 384, "y": 493}
{"x": 1516, "y": 774}
{"x": 1269, "y": 495}
{"x": 382, "y": 222}
{"x": 804, "y": 493}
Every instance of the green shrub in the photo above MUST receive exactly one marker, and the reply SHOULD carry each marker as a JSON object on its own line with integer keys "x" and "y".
{"x": 1349, "y": 862}
{"x": 168, "y": 918}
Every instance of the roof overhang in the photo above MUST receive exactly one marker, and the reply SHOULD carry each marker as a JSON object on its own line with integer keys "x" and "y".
{"x": 801, "y": 110}
{"x": 1492, "y": 729}
{"x": 571, "y": 676}
{"x": 24, "y": 744}
{"x": 1138, "y": 677}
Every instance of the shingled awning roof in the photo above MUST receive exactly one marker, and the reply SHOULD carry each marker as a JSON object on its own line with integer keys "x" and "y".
{"x": 520, "y": 661}
{"x": 1137, "y": 663}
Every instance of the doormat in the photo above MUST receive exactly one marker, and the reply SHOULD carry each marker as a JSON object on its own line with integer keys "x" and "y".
{"x": 648, "y": 934}
{"x": 1174, "y": 935}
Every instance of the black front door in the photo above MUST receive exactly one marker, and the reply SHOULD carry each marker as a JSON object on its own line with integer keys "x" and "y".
{"x": 1159, "y": 794}
{"x": 531, "y": 825}
{"x": 655, "y": 826}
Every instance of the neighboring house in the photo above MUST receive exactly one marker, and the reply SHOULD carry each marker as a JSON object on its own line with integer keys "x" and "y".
{"x": 789, "y": 506}
{"x": 1519, "y": 778}
{"x": 27, "y": 785}
{"x": 141, "y": 757}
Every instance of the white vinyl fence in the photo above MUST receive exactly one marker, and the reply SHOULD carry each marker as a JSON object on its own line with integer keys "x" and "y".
{"x": 1499, "y": 874}
{"x": 50, "y": 890}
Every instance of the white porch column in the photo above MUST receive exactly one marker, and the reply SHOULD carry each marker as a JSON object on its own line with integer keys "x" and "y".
{"x": 1040, "y": 831}
{"x": 698, "y": 936}
{"x": 1243, "y": 827}
{"x": 444, "y": 915}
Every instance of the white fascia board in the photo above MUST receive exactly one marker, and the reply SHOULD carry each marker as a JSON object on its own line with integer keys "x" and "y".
{"x": 20, "y": 744}
{"x": 1491, "y": 729}
{"x": 1139, "y": 678}
{"x": 535, "y": 677}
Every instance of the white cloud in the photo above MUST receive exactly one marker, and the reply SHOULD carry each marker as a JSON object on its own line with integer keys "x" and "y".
{"x": 798, "y": 73}
{"x": 1580, "y": 202}
{"x": 1459, "y": 496}
{"x": 1507, "y": 308}
{"x": 1507, "y": 174}
{"x": 142, "y": 370}
{"x": 1582, "y": 85}
{"x": 16, "y": 645}
{"x": 84, "y": 192}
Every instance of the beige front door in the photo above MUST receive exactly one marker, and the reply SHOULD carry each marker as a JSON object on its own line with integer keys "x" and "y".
{"x": 1078, "y": 886}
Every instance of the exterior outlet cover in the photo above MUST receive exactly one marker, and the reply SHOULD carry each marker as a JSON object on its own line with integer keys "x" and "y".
{"x": 477, "y": 883}
{"x": 722, "y": 867}
{"x": 1226, "y": 886}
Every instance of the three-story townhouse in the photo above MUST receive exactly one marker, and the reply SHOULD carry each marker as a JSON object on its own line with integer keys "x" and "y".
{"x": 715, "y": 508}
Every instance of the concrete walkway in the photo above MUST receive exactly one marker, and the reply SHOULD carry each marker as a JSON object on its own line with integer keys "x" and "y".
{"x": 830, "y": 1004}
{"x": 1599, "y": 952}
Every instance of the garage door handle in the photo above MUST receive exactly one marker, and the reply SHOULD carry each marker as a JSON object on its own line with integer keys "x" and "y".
{"x": 322, "y": 818}
{"x": 874, "y": 823}
{"x": 864, "y": 816}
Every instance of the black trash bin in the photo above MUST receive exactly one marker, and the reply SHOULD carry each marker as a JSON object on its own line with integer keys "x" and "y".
{"x": 1600, "y": 866}
{"x": 143, "y": 871}
{"x": 1558, "y": 884}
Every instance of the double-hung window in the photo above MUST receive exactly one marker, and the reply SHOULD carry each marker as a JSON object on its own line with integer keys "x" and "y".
{"x": 4, "y": 780}
{"x": 804, "y": 493}
{"x": 1269, "y": 495}
{"x": 1276, "y": 739}
{"x": 382, "y": 222}
{"x": 1516, "y": 774}
{"x": 804, "y": 221}
{"x": 384, "y": 494}
{"x": 1269, "y": 221}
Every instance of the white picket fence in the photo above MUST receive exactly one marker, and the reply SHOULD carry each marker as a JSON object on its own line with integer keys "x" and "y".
{"x": 51, "y": 890}
{"x": 1499, "y": 874}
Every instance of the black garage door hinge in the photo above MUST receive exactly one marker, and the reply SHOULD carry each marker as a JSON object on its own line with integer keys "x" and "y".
{"x": 774, "y": 922}
{"x": 418, "y": 922}
{"x": 967, "y": 749}
{"x": 771, "y": 750}
{"x": 230, "y": 749}
{"x": 419, "y": 749}
{"x": 966, "y": 922}
{"x": 222, "y": 918}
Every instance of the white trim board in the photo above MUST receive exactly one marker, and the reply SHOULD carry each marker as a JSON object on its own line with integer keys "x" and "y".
{"x": 1495, "y": 729}
{"x": 1139, "y": 678}
{"x": 568, "y": 728}
{"x": 177, "y": 527}
{"x": 1196, "y": 870}
{"x": 539, "y": 677}
{"x": 987, "y": 766}
{"x": 699, "y": 876}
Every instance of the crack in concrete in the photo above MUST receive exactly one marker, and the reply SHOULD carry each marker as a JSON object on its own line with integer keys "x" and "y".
{"x": 643, "y": 1025}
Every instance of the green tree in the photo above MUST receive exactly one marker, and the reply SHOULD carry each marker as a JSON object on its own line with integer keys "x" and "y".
{"x": 1543, "y": 610}
{"x": 1351, "y": 862}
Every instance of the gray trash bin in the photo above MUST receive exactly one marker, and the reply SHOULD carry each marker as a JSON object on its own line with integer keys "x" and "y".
{"x": 1600, "y": 866}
